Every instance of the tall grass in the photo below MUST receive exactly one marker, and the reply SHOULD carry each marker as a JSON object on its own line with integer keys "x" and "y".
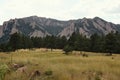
{"x": 3, "y": 70}
{"x": 63, "y": 67}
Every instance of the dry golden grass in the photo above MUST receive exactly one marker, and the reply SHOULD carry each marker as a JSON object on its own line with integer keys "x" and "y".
{"x": 64, "y": 67}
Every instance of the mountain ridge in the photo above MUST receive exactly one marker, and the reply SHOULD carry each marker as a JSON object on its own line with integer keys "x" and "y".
{"x": 35, "y": 26}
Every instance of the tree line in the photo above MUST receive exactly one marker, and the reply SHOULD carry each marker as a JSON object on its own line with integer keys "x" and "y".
{"x": 109, "y": 43}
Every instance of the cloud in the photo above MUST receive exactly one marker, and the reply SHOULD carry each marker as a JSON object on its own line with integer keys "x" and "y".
{"x": 60, "y": 9}
{"x": 114, "y": 10}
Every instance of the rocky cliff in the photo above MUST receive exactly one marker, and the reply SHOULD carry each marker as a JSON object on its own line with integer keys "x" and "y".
{"x": 34, "y": 26}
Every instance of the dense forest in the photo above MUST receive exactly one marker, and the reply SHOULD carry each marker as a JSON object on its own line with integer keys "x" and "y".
{"x": 95, "y": 43}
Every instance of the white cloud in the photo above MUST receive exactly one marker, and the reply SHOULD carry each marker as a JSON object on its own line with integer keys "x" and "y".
{"x": 61, "y": 9}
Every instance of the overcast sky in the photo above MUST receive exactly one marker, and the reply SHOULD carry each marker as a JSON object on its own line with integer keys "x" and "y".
{"x": 60, "y": 9}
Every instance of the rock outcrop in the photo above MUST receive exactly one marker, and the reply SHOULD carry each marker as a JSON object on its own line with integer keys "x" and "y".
{"x": 34, "y": 26}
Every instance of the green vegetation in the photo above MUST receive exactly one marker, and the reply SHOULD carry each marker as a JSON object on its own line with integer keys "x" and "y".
{"x": 54, "y": 65}
{"x": 67, "y": 49}
{"x": 96, "y": 43}
{"x": 48, "y": 73}
{"x": 3, "y": 70}
{"x": 24, "y": 58}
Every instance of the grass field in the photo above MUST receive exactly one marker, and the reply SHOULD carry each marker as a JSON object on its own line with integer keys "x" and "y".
{"x": 60, "y": 66}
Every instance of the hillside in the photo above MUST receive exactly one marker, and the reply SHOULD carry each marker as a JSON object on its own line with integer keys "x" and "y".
{"x": 34, "y": 26}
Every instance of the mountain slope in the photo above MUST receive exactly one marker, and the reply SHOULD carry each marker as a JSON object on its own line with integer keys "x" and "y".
{"x": 88, "y": 27}
{"x": 34, "y": 26}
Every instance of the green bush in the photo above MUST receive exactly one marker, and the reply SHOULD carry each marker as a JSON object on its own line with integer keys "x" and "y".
{"x": 48, "y": 73}
{"x": 67, "y": 49}
{"x": 85, "y": 55}
{"x": 3, "y": 70}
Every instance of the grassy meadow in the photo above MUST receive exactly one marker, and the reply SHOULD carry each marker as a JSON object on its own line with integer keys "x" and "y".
{"x": 60, "y": 66}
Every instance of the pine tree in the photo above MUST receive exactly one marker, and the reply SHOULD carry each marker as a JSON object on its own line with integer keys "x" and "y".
{"x": 15, "y": 41}
{"x": 110, "y": 43}
{"x": 67, "y": 49}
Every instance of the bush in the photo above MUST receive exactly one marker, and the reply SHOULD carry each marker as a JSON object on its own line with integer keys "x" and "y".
{"x": 85, "y": 55}
{"x": 67, "y": 49}
{"x": 48, "y": 73}
{"x": 3, "y": 70}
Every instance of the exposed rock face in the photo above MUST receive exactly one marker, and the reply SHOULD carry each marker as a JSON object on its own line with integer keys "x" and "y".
{"x": 1, "y": 31}
{"x": 34, "y": 26}
{"x": 90, "y": 26}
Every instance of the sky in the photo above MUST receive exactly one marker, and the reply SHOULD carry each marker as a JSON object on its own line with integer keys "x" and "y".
{"x": 60, "y": 9}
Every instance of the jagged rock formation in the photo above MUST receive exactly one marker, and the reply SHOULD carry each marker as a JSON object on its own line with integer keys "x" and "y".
{"x": 34, "y": 26}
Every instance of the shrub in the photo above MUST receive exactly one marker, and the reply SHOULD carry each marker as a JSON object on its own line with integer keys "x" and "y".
{"x": 67, "y": 49}
{"x": 48, "y": 73}
{"x": 3, "y": 70}
{"x": 85, "y": 55}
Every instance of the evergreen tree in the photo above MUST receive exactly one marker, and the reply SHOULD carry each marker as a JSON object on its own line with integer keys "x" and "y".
{"x": 110, "y": 43}
{"x": 117, "y": 43}
{"x": 26, "y": 42}
{"x": 96, "y": 43}
{"x": 49, "y": 42}
{"x": 15, "y": 41}
{"x": 67, "y": 49}
{"x": 37, "y": 42}
{"x": 72, "y": 40}
{"x": 62, "y": 42}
